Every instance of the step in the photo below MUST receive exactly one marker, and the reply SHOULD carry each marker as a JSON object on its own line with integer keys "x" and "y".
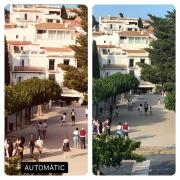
{"x": 141, "y": 168}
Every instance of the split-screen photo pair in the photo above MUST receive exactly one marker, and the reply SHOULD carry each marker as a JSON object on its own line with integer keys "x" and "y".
{"x": 49, "y": 108}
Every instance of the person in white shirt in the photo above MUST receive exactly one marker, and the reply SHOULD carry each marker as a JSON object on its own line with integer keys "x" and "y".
{"x": 76, "y": 138}
{"x": 39, "y": 144}
{"x": 86, "y": 112}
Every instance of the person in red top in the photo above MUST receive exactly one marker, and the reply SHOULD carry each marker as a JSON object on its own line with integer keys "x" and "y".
{"x": 82, "y": 135}
{"x": 125, "y": 129}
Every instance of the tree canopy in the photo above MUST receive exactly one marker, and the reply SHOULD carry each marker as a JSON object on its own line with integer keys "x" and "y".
{"x": 77, "y": 78}
{"x": 30, "y": 92}
{"x": 96, "y": 68}
{"x": 140, "y": 23}
{"x": 63, "y": 12}
{"x": 162, "y": 50}
{"x": 111, "y": 150}
{"x": 113, "y": 85}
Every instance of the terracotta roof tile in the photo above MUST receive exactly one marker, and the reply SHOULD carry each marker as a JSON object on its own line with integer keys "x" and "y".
{"x": 29, "y": 69}
{"x": 52, "y": 26}
{"x": 135, "y": 51}
{"x": 19, "y": 42}
{"x": 9, "y": 26}
{"x": 114, "y": 66}
{"x": 133, "y": 33}
{"x": 27, "y": 10}
{"x": 106, "y": 46}
{"x": 54, "y": 49}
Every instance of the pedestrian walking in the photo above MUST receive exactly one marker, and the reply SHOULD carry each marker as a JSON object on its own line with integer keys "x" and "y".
{"x": 8, "y": 148}
{"x": 120, "y": 129}
{"x": 100, "y": 127}
{"x": 146, "y": 106}
{"x": 76, "y": 138}
{"x": 63, "y": 119}
{"x": 95, "y": 126}
{"x": 86, "y": 112}
{"x": 107, "y": 126}
{"x": 44, "y": 126}
{"x": 117, "y": 111}
{"x": 82, "y": 135}
{"x": 32, "y": 144}
{"x": 126, "y": 130}
{"x": 73, "y": 113}
{"x": 20, "y": 148}
{"x": 40, "y": 129}
{"x": 66, "y": 147}
{"x": 140, "y": 109}
{"x": 39, "y": 145}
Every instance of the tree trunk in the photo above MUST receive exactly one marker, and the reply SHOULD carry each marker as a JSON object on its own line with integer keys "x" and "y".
{"x": 26, "y": 116}
{"x": 20, "y": 118}
{"x": 29, "y": 114}
{"x": 97, "y": 109}
{"x": 6, "y": 126}
{"x": 16, "y": 120}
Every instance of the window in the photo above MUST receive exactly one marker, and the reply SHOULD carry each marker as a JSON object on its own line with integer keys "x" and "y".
{"x": 110, "y": 26}
{"x": 21, "y": 48}
{"x": 34, "y": 77}
{"x": 22, "y": 62}
{"x": 25, "y": 16}
{"x": 137, "y": 40}
{"x": 131, "y": 40}
{"x": 131, "y": 72}
{"x": 104, "y": 51}
{"x": 109, "y": 61}
{"x": 107, "y": 73}
{"x": 19, "y": 79}
{"x": 104, "y": 42}
{"x": 57, "y": 21}
{"x": 129, "y": 29}
{"x": 51, "y": 64}
{"x": 34, "y": 52}
{"x": 66, "y": 61}
{"x": 40, "y": 31}
{"x": 60, "y": 35}
{"x": 16, "y": 49}
{"x": 52, "y": 77}
{"x": 50, "y": 20}
{"x": 131, "y": 62}
{"x": 52, "y": 35}
{"x": 37, "y": 17}
{"x": 142, "y": 60}
{"x": 16, "y": 36}
{"x": 119, "y": 27}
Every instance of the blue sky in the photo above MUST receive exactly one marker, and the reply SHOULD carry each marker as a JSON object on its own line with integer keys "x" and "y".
{"x": 131, "y": 11}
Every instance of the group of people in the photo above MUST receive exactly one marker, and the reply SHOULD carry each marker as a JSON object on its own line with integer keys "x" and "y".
{"x": 123, "y": 129}
{"x": 17, "y": 148}
{"x": 73, "y": 117}
{"x": 79, "y": 137}
{"x": 145, "y": 108}
{"x": 42, "y": 128}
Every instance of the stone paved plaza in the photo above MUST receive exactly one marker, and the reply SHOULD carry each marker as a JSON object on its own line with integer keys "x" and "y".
{"x": 55, "y": 134}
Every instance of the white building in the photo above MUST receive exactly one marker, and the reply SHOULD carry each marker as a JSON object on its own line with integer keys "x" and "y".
{"x": 38, "y": 41}
{"x": 121, "y": 45}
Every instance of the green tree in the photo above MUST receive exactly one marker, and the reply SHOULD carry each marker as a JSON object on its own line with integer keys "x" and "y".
{"x": 162, "y": 50}
{"x": 95, "y": 23}
{"x": 76, "y": 78}
{"x": 121, "y": 15}
{"x": 118, "y": 83}
{"x": 170, "y": 101}
{"x": 140, "y": 23}
{"x": 63, "y": 12}
{"x": 96, "y": 69}
{"x": 110, "y": 151}
{"x": 6, "y": 58}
